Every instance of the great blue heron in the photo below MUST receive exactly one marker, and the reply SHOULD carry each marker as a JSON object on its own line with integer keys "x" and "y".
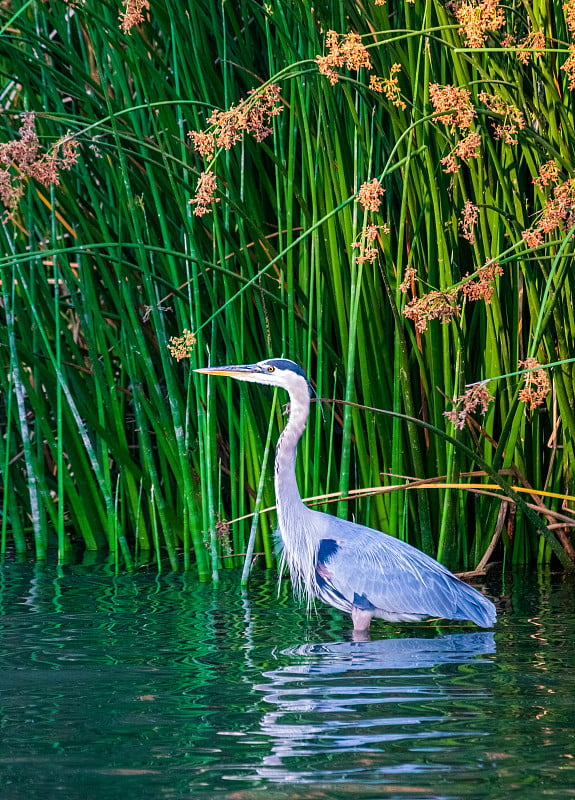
{"x": 359, "y": 570}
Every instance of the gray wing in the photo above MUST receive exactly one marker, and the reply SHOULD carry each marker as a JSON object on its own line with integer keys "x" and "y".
{"x": 375, "y": 572}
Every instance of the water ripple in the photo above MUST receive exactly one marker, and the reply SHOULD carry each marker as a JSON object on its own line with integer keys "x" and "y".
{"x": 158, "y": 686}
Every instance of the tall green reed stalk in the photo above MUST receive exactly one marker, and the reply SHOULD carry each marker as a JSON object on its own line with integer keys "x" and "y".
{"x": 109, "y": 442}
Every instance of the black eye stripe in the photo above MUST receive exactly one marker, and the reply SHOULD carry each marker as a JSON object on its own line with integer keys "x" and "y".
{"x": 283, "y": 364}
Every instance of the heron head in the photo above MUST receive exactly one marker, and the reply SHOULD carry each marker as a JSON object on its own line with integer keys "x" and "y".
{"x": 273, "y": 372}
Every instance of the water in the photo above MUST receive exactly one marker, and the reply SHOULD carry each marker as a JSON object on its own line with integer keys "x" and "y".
{"x": 146, "y": 687}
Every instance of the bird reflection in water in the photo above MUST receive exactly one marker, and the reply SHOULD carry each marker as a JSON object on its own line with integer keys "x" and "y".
{"x": 343, "y": 707}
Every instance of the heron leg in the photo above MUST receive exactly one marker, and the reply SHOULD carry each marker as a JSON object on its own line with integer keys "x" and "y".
{"x": 361, "y": 618}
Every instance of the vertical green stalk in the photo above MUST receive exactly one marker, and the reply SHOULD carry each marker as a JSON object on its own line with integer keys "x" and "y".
{"x": 209, "y": 488}
{"x": 252, "y": 537}
{"x": 355, "y": 294}
{"x": 9, "y": 507}
{"x": 9, "y": 302}
{"x": 62, "y": 542}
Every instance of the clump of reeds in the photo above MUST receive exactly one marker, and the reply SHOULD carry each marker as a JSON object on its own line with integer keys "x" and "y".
{"x": 382, "y": 192}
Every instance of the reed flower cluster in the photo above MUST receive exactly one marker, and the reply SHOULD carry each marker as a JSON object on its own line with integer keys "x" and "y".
{"x": 409, "y": 278}
{"x": 468, "y": 219}
{"x": 548, "y": 175}
{"x": 466, "y": 148}
{"x": 205, "y": 194}
{"x": 252, "y": 115}
{"x": 455, "y": 110}
{"x": 369, "y": 195}
{"x": 132, "y": 14}
{"x": 537, "y": 385}
{"x": 433, "y": 305}
{"x": 475, "y": 397}
{"x": 481, "y": 287}
{"x": 533, "y": 41}
{"x": 444, "y": 305}
{"x": 558, "y": 210}
{"x": 390, "y": 87}
{"x": 454, "y": 104}
{"x": 568, "y": 66}
{"x": 369, "y": 198}
{"x": 224, "y": 535}
{"x": 513, "y": 119}
{"x": 345, "y": 50}
{"x": 181, "y": 346}
{"x": 367, "y": 247}
{"x": 477, "y": 19}
{"x": 23, "y": 158}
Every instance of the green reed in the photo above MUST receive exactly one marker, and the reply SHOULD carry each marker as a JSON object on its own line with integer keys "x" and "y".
{"x": 108, "y": 442}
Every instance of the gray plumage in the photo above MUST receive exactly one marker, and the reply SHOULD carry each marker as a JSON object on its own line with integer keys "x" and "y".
{"x": 359, "y": 570}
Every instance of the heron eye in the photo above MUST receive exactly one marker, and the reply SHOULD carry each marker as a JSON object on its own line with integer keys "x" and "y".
{"x": 271, "y": 369}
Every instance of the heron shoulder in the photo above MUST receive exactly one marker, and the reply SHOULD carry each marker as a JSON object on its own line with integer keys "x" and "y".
{"x": 351, "y": 534}
{"x": 370, "y": 550}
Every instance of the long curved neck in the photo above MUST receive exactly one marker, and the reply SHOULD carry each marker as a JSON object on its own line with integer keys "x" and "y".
{"x": 288, "y": 498}
{"x": 294, "y": 519}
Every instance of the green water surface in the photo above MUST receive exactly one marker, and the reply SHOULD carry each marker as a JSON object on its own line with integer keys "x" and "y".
{"x": 160, "y": 687}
